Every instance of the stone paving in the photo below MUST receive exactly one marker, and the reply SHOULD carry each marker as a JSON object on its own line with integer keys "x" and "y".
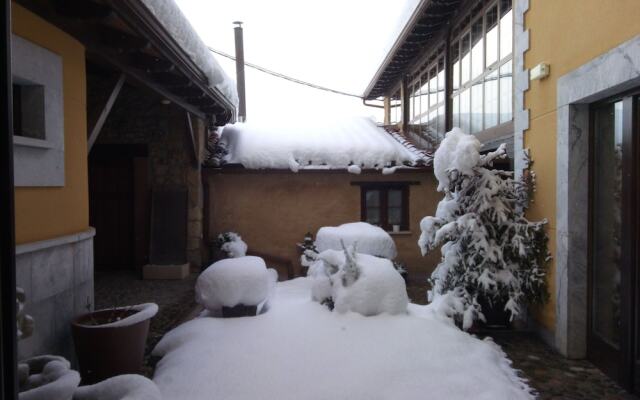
{"x": 175, "y": 299}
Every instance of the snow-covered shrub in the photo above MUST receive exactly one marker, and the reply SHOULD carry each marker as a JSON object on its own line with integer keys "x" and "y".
{"x": 350, "y": 281}
{"x": 371, "y": 239}
{"x": 309, "y": 250}
{"x": 232, "y": 244}
{"x": 233, "y": 281}
{"x": 490, "y": 252}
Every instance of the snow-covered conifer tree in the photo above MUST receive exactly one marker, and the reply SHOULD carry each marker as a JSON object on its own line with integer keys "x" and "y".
{"x": 490, "y": 252}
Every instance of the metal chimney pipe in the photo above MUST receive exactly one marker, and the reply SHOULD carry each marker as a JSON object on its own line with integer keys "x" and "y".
{"x": 242, "y": 107}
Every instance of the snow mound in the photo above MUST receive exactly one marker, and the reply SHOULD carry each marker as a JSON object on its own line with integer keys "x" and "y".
{"x": 301, "y": 350}
{"x": 367, "y": 238}
{"x": 232, "y": 281}
{"x": 458, "y": 152}
{"x": 47, "y": 377}
{"x": 121, "y": 387}
{"x": 353, "y": 144}
{"x": 378, "y": 289}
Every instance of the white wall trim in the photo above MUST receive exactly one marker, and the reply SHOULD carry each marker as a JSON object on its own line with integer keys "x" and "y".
{"x": 521, "y": 85}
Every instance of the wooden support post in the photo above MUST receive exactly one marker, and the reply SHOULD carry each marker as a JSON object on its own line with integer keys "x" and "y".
{"x": 192, "y": 135}
{"x": 105, "y": 112}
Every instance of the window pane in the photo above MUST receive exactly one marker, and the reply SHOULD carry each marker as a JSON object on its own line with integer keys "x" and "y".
{"x": 455, "y": 61}
{"x": 433, "y": 87}
{"x": 411, "y": 107}
{"x": 607, "y": 224}
{"x": 395, "y": 198}
{"x": 465, "y": 110}
{"x": 372, "y": 198}
{"x": 477, "y": 52}
{"x": 395, "y": 216}
{"x": 373, "y": 215}
{"x": 441, "y": 80}
{"x": 506, "y": 29}
{"x": 466, "y": 60}
{"x": 441, "y": 125}
{"x": 491, "y": 20}
{"x": 506, "y": 92}
{"x": 456, "y": 110}
{"x": 491, "y": 100}
{"x": 476, "y": 107}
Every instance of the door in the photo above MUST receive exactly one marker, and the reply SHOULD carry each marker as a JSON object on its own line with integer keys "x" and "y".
{"x": 613, "y": 335}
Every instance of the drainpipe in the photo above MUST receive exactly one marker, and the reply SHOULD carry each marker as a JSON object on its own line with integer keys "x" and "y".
{"x": 242, "y": 107}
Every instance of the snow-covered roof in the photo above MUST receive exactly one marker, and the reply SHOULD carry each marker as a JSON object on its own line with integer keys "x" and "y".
{"x": 174, "y": 21}
{"x": 350, "y": 143}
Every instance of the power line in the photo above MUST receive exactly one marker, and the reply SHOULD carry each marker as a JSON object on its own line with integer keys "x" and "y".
{"x": 288, "y": 78}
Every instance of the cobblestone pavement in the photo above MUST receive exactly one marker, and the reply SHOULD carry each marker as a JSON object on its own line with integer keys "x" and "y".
{"x": 548, "y": 373}
{"x": 175, "y": 299}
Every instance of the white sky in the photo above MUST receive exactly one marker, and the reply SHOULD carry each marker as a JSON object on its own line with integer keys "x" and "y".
{"x": 334, "y": 43}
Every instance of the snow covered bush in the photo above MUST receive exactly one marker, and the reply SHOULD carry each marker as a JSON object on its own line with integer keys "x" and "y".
{"x": 309, "y": 250}
{"x": 234, "y": 281}
{"x": 232, "y": 244}
{"x": 491, "y": 254}
{"x": 350, "y": 281}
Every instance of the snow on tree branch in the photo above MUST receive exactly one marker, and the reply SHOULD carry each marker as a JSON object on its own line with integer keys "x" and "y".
{"x": 491, "y": 254}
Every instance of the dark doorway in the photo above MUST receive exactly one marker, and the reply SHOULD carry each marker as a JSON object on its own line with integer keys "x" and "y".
{"x": 118, "y": 204}
{"x": 613, "y": 336}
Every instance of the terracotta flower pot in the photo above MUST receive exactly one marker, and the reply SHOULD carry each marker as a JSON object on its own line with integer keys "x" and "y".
{"x": 111, "y": 342}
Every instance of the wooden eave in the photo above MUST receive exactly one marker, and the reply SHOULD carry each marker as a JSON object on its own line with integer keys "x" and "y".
{"x": 127, "y": 36}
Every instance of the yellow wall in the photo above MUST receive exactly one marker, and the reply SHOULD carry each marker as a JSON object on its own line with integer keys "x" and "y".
{"x": 48, "y": 212}
{"x": 564, "y": 34}
{"x": 273, "y": 211}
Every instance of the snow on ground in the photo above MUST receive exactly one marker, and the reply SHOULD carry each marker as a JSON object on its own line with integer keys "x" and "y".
{"x": 348, "y": 143}
{"x": 369, "y": 239}
{"x": 301, "y": 350}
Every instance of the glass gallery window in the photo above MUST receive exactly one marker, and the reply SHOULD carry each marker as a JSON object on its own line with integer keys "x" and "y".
{"x": 427, "y": 98}
{"x": 481, "y": 57}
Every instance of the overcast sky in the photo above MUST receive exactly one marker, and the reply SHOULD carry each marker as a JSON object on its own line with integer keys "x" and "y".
{"x": 334, "y": 43}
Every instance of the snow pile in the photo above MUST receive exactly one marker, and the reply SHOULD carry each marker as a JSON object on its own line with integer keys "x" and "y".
{"x": 232, "y": 244}
{"x": 301, "y": 350}
{"x": 121, "y": 387}
{"x": 458, "y": 153}
{"x": 172, "y": 19}
{"x": 234, "y": 281}
{"x": 367, "y": 238}
{"x": 352, "y": 144}
{"x": 47, "y": 377}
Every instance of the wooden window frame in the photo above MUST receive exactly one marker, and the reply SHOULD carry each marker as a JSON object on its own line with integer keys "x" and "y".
{"x": 383, "y": 190}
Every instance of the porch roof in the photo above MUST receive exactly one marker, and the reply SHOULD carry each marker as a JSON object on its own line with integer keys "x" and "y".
{"x": 153, "y": 44}
{"x": 420, "y": 32}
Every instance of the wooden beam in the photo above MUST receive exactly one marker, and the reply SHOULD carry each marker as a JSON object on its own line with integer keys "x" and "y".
{"x": 192, "y": 135}
{"x": 84, "y": 9}
{"x": 105, "y": 112}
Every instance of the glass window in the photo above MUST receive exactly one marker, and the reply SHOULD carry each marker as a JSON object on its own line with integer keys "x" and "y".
{"x": 455, "y": 61}
{"x": 476, "y": 107}
{"x": 386, "y": 207}
{"x": 465, "y": 110}
{"x": 491, "y": 23}
{"x": 424, "y": 94}
{"x": 506, "y": 28}
{"x": 456, "y": 110}
{"x": 477, "y": 50}
{"x": 465, "y": 66}
{"x": 441, "y": 122}
{"x": 441, "y": 80}
{"x": 506, "y": 93}
{"x": 433, "y": 86}
{"x": 491, "y": 100}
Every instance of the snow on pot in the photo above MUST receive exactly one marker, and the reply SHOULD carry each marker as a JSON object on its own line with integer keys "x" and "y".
{"x": 111, "y": 342}
{"x": 369, "y": 239}
{"x": 47, "y": 378}
{"x": 122, "y": 387}
{"x": 362, "y": 283}
{"x": 236, "y": 286}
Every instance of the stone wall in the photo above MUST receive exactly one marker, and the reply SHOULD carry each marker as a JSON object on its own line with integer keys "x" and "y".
{"x": 57, "y": 276}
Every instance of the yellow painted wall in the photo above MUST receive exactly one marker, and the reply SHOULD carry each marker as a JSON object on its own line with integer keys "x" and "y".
{"x": 48, "y": 212}
{"x": 564, "y": 34}
{"x": 273, "y": 211}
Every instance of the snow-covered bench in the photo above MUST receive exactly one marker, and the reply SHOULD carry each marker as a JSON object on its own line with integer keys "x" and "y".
{"x": 368, "y": 239}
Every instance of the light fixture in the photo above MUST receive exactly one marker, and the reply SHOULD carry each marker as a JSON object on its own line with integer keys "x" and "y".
{"x": 165, "y": 102}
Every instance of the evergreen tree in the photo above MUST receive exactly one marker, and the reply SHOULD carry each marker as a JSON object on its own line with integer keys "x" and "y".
{"x": 490, "y": 251}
